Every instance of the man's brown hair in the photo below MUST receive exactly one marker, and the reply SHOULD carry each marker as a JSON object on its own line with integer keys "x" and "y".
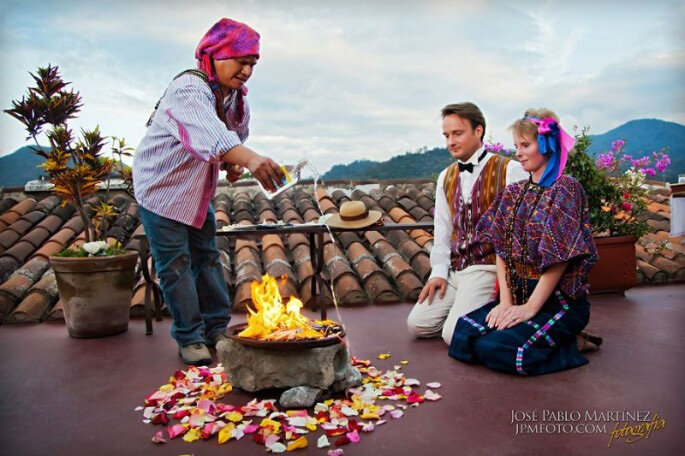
{"x": 466, "y": 110}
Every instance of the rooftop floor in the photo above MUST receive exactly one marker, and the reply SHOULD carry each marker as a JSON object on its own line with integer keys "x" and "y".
{"x": 60, "y": 395}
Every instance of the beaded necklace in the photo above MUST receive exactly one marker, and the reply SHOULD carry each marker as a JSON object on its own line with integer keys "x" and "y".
{"x": 510, "y": 262}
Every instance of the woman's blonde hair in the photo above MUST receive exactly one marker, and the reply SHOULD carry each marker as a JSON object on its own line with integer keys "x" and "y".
{"x": 525, "y": 127}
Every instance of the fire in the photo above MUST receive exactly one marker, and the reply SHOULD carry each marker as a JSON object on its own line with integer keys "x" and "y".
{"x": 274, "y": 320}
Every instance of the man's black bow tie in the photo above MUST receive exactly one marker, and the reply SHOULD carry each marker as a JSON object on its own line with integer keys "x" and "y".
{"x": 468, "y": 167}
{"x": 465, "y": 167}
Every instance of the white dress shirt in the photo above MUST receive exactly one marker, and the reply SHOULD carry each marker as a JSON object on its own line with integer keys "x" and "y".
{"x": 443, "y": 226}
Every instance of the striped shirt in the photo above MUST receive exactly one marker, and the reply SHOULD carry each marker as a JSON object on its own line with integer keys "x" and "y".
{"x": 176, "y": 165}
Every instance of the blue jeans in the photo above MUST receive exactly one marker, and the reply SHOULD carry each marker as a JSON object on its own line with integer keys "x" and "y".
{"x": 190, "y": 275}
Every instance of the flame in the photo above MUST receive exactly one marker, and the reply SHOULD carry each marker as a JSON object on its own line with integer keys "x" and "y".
{"x": 274, "y": 320}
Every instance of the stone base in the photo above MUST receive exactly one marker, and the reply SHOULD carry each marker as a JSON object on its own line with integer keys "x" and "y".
{"x": 254, "y": 369}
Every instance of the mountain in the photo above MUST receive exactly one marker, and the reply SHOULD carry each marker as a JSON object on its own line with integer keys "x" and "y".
{"x": 642, "y": 136}
{"x": 19, "y": 167}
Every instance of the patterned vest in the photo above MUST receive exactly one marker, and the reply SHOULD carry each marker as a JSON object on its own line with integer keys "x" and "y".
{"x": 465, "y": 250}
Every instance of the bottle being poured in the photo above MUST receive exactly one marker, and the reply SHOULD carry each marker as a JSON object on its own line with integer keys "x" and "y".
{"x": 292, "y": 177}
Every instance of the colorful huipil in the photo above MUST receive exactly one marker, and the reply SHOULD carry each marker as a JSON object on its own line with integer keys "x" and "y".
{"x": 550, "y": 226}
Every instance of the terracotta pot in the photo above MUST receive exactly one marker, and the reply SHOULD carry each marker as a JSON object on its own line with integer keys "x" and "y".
{"x": 616, "y": 270}
{"x": 95, "y": 292}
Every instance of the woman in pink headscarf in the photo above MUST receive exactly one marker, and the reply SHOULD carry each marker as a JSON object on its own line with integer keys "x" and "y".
{"x": 198, "y": 127}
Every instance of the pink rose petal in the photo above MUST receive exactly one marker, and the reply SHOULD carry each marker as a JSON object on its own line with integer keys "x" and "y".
{"x": 176, "y": 430}
{"x": 397, "y": 414}
{"x": 158, "y": 437}
{"x": 412, "y": 382}
{"x": 353, "y": 436}
{"x": 270, "y": 440}
{"x": 433, "y": 385}
{"x": 336, "y": 452}
{"x": 251, "y": 429}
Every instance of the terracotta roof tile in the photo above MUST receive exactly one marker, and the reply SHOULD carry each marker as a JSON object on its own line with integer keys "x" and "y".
{"x": 6, "y": 204}
{"x": 303, "y": 263}
{"x": 666, "y": 265}
{"x": 11, "y": 293}
{"x": 267, "y": 215}
{"x": 339, "y": 197}
{"x": 7, "y": 239}
{"x": 328, "y": 206}
{"x": 652, "y": 273}
{"x": 346, "y": 238}
{"x": 642, "y": 254}
{"x": 21, "y": 250}
{"x": 375, "y": 282}
{"x": 33, "y": 217}
{"x": 311, "y": 215}
{"x": 7, "y": 266}
{"x": 222, "y": 218}
{"x": 664, "y": 225}
{"x": 407, "y": 203}
{"x": 57, "y": 312}
{"x": 243, "y": 297}
{"x": 16, "y": 211}
{"x": 37, "y": 301}
{"x": 348, "y": 290}
{"x": 65, "y": 212}
{"x": 75, "y": 224}
{"x": 421, "y": 214}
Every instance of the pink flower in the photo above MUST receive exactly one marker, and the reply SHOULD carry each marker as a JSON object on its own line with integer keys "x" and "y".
{"x": 626, "y": 206}
{"x": 617, "y": 145}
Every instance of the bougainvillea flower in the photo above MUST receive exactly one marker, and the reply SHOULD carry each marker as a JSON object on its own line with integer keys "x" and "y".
{"x": 158, "y": 437}
{"x": 297, "y": 444}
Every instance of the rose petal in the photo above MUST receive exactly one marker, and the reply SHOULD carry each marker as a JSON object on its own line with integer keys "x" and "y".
{"x": 353, "y": 436}
{"x": 277, "y": 447}
{"x": 297, "y": 444}
{"x": 431, "y": 396}
{"x": 158, "y": 437}
{"x": 412, "y": 382}
{"x": 433, "y": 385}
{"x": 384, "y": 356}
{"x": 270, "y": 440}
{"x": 380, "y": 422}
{"x": 176, "y": 430}
{"x": 396, "y": 414}
{"x": 323, "y": 442}
{"x": 250, "y": 429}
{"x": 335, "y": 452}
{"x": 368, "y": 427}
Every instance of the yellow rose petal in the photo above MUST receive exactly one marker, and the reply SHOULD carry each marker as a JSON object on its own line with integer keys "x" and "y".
{"x": 297, "y": 444}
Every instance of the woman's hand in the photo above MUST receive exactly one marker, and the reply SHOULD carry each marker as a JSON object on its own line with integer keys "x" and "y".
{"x": 266, "y": 171}
{"x": 495, "y": 317}
{"x": 518, "y": 314}
{"x": 234, "y": 171}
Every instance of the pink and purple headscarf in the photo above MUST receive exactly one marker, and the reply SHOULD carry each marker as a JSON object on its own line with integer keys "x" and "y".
{"x": 227, "y": 39}
{"x": 555, "y": 143}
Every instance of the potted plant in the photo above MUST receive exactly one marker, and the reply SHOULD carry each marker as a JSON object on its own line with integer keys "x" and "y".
{"x": 95, "y": 280}
{"x": 617, "y": 200}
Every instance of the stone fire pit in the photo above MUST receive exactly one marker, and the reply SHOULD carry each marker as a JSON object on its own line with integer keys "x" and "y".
{"x": 305, "y": 369}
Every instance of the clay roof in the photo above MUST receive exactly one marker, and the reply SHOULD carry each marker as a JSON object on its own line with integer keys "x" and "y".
{"x": 363, "y": 268}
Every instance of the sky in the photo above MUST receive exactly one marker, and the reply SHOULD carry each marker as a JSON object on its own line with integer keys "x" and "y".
{"x": 339, "y": 81}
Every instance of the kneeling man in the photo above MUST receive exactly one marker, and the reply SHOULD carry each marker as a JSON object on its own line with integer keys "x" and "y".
{"x": 463, "y": 275}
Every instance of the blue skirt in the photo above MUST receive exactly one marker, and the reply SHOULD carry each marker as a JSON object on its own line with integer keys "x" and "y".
{"x": 546, "y": 343}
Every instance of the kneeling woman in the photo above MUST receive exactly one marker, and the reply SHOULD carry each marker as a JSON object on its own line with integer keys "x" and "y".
{"x": 540, "y": 230}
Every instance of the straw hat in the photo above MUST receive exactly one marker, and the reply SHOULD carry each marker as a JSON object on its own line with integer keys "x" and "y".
{"x": 354, "y": 214}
